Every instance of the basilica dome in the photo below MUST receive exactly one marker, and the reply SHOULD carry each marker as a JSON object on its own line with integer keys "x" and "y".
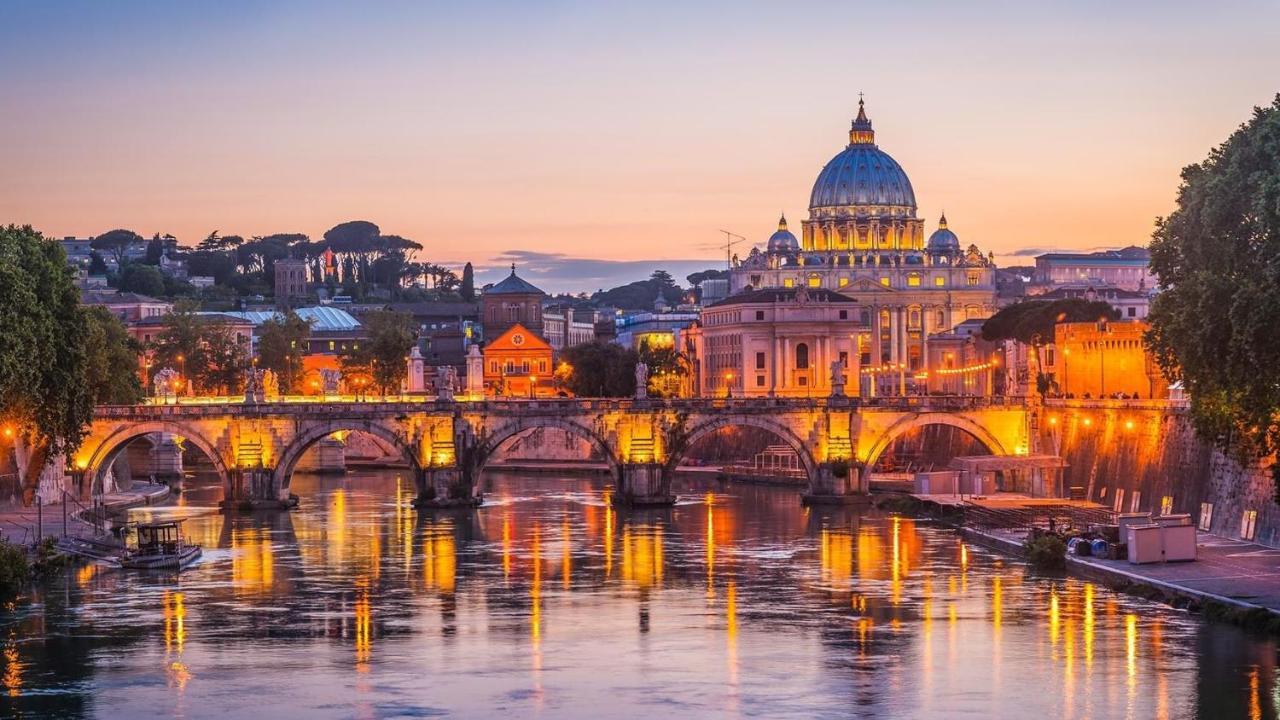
{"x": 783, "y": 241}
{"x": 943, "y": 240}
{"x": 862, "y": 177}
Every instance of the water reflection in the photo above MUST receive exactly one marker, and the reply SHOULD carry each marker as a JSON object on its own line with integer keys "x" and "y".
{"x": 737, "y": 601}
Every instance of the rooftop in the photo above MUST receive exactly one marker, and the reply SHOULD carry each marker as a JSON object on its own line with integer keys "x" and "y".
{"x": 774, "y": 295}
{"x": 1132, "y": 254}
{"x": 513, "y": 285}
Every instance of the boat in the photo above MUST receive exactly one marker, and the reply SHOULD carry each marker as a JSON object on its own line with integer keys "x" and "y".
{"x": 160, "y": 547}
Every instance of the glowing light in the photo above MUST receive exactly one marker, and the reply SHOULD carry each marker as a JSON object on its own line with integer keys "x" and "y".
{"x": 1128, "y": 425}
{"x": 1053, "y": 420}
{"x": 1131, "y": 645}
{"x": 1087, "y": 422}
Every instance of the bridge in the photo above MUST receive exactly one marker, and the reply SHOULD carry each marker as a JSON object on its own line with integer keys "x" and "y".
{"x": 255, "y": 447}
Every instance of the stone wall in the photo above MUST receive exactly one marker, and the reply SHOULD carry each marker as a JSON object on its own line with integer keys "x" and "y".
{"x": 1155, "y": 452}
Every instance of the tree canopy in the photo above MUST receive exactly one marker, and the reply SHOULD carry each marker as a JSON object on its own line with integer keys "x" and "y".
{"x": 282, "y": 343}
{"x": 1032, "y": 321}
{"x": 43, "y": 387}
{"x": 600, "y": 369}
{"x": 116, "y": 242}
{"x": 202, "y": 348}
{"x": 1217, "y": 256}
{"x": 111, "y": 359}
{"x": 384, "y": 353}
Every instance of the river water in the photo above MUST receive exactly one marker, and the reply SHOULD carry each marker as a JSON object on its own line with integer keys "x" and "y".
{"x": 548, "y": 602}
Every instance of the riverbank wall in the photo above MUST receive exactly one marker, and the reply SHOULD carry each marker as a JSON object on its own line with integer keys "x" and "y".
{"x": 1146, "y": 457}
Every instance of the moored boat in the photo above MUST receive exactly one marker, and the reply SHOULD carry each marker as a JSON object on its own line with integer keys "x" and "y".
{"x": 160, "y": 547}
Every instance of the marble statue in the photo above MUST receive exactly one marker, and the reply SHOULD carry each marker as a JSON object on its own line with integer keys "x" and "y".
{"x": 837, "y": 378}
{"x": 165, "y": 383}
{"x": 642, "y": 381}
{"x": 330, "y": 380}
{"x": 270, "y": 386}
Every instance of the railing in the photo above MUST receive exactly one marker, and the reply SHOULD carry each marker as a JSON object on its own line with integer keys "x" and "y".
{"x": 1059, "y": 516}
{"x": 1114, "y": 404}
{"x": 391, "y": 404}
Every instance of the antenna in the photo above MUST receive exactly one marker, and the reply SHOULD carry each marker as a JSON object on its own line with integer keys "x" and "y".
{"x": 729, "y": 242}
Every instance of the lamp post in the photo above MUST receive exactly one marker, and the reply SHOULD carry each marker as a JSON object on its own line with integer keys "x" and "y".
{"x": 728, "y": 384}
{"x": 182, "y": 364}
{"x": 533, "y": 386}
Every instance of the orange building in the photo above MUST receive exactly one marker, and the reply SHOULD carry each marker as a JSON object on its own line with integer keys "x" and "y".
{"x": 517, "y": 363}
{"x": 1101, "y": 359}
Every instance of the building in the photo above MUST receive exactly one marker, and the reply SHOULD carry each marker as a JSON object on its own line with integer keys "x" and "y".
{"x": 1128, "y": 269}
{"x": 1131, "y": 304}
{"x": 446, "y": 331}
{"x": 127, "y": 306}
{"x": 566, "y": 327}
{"x": 513, "y": 301}
{"x": 864, "y": 240}
{"x": 1103, "y": 359}
{"x": 962, "y": 363}
{"x": 518, "y": 364}
{"x": 654, "y": 328}
{"x": 291, "y": 281}
{"x": 778, "y": 342}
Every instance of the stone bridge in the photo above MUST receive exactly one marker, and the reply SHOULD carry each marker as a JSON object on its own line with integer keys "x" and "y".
{"x": 255, "y": 447}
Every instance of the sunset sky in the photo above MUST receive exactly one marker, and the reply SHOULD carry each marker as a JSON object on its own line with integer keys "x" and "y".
{"x": 593, "y": 142}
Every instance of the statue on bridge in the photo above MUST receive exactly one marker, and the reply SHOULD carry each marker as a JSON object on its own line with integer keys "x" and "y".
{"x": 165, "y": 384}
{"x": 642, "y": 381}
{"x": 270, "y": 386}
{"x": 330, "y": 380}
{"x": 446, "y": 381}
{"x": 837, "y": 378}
{"x": 253, "y": 385}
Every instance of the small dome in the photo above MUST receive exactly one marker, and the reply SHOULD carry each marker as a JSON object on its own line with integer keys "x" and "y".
{"x": 783, "y": 241}
{"x": 943, "y": 240}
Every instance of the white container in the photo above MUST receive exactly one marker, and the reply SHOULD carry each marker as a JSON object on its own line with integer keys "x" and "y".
{"x": 1128, "y": 520}
{"x": 1145, "y": 544}
{"x": 1178, "y": 542}
{"x": 1166, "y": 520}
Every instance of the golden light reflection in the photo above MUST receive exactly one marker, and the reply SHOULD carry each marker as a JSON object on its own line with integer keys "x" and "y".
{"x": 731, "y": 634}
{"x": 1255, "y": 694}
{"x": 1054, "y": 618}
{"x": 535, "y": 589}
{"x": 709, "y": 501}
{"x": 252, "y": 560}
{"x": 12, "y": 666}
{"x": 1088, "y": 626}
{"x": 608, "y": 533}
{"x": 174, "y": 609}
{"x": 86, "y": 573}
{"x": 835, "y": 557}
{"x": 506, "y": 544}
{"x": 439, "y": 557}
{"x": 566, "y": 554}
{"x": 1131, "y": 648}
{"x": 363, "y": 627}
{"x": 642, "y": 556}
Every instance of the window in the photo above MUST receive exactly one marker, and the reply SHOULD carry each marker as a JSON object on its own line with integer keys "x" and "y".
{"x": 542, "y": 366}
{"x": 815, "y": 282}
{"x": 1206, "y": 516}
{"x": 913, "y": 280}
{"x": 788, "y": 282}
{"x": 493, "y": 367}
{"x": 884, "y": 281}
{"x": 524, "y": 367}
{"x": 1166, "y": 505}
{"x": 1102, "y": 493}
{"x": 843, "y": 282}
{"x": 939, "y": 281}
{"x": 972, "y": 279}
{"x": 802, "y": 381}
{"x": 942, "y": 319}
{"x": 1249, "y": 525}
{"x": 331, "y": 346}
{"x": 844, "y": 314}
{"x": 759, "y": 361}
{"x": 511, "y": 367}
{"x": 802, "y": 357}
{"x": 1119, "y": 503}
{"x": 1133, "y": 503}
{"x": 759, "y": 314}
{"x": 1133, "y": 312}
{"x": 844, "y": 358}
{"x": 759, "y": 381}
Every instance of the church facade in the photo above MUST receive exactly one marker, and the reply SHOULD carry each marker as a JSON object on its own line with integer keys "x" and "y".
{"x": 863, "y": 240}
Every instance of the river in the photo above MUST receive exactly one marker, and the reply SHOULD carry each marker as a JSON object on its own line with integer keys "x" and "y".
{"x": 548, "y": 602}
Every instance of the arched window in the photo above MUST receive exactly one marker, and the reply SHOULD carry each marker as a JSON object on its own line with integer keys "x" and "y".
{"x": 802, "y": 357}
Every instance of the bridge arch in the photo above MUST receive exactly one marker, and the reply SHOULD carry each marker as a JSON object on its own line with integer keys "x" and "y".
{"x": 784, "y": 433}
{"x": 312, "y": 433}
{"x": 104, "y": 456}
{"x": 493, "y": 439}
{"x": 919, "y": 420}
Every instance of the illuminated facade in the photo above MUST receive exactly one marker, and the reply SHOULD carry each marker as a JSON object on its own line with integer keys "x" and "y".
{"x": 1098, "y": 360}
{"x": 864, "y": 240}
{"x": 517, "y": 363}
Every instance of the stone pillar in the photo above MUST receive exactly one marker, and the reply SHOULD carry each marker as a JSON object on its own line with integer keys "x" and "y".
{"x": 446, "y": 487}
{"x": 166, "y": 459}
{"x": 330, "y": 456}
{"x": 256, "y": 489}
{"x": 643, "y": 484}
{"x": 475, "y": 373}
{"x": 902, "y": 352}
{"x": 836, "y": 483}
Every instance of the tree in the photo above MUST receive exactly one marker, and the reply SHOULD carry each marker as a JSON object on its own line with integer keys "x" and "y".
{"x": 111, "y": 359}
{"x": 97, "y": 266}
{"x": 600, "y": 369}
{"x": 696, "y": 279}
{"x": 384, "y": 353}
{"x": 663, "y": 361}
{"x": 142, "y": 279}
{"x": 43, "y": 390}
{"x": 201, "y": 347}
{"x": 155, "y": 251}
{"x": 282, "y": 343}
{"x": 1213, "y": 325}
{"x": 468, "y": 290}
{"x": 662, "y": 279}
{"x": 117, "y": 242}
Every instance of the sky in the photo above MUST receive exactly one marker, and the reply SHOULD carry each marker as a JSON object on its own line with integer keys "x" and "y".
{"x": 593, "y": 142}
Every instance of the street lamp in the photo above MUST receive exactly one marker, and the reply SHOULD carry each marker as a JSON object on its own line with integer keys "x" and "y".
{"x": 533, "y": 385}
{"x": 728, "y": 384}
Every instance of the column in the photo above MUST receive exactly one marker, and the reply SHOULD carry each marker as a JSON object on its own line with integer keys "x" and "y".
{"x": 774, "y": 359}
{"x": 902, "y": 351}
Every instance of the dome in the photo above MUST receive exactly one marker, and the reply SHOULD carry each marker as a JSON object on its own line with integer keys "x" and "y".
{"x": 783, "y": 241}
{"x": 862, "y": 175}
{"x": 943, "y": 240}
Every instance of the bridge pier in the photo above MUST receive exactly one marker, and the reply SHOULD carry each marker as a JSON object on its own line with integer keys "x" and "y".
{"x": 837, "y": 483}
{"x": 256, "y": 489}
{"x": 644, "y": 485}
{"x": 445, "y": 487}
